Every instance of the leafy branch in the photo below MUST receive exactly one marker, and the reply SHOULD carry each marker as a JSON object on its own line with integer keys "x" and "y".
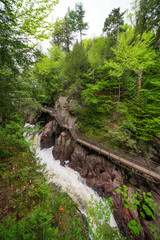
{"x": 145, "y": 206}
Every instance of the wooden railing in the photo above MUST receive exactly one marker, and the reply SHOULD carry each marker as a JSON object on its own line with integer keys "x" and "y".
{"x": 142, "y": 166}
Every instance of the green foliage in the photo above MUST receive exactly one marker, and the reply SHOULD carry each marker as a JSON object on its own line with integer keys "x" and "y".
{"x": 101, "y": 73}
{"x": 79, "y": 17}
{"x": 144, "y": 204}
{"x": 135, "y": 227}
{"x": 20, "y": 20}
{"x": 32, "y": 209}
{"x": 111, "y": 97}
{"x": 74, "y": 68}
{"x": 96, "y": 51}
{"x": 110, "y": 43}
{"x": 32, "y": 16}
{"x": 63, "y": 33}
{"x": 112, "y": 24}
{"x": 65, "y": 29}
{"x": 45, "y": 75}
{"x": 49, "y": 220}
{"x": 11, "y": 136}
{"x": 98, "y": 216}
{"x": 147, "y": 16}
{"x": 134, "y": 56}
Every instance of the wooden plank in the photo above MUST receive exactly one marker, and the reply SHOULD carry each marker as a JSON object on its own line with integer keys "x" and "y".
{"x": 120, "y": 159}
{"x": 102, "y": 151}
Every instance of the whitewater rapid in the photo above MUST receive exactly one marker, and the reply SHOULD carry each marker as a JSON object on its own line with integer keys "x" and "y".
{"x": 69, "y": 180}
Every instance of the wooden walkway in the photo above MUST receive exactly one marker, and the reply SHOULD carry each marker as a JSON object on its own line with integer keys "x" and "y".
{"x": 139, "y": 165}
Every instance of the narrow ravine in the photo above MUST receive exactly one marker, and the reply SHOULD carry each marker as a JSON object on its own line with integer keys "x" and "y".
{"x": 69, "y": 180}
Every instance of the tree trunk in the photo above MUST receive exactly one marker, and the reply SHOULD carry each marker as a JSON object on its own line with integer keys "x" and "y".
{"x": 157, "y": 38}
{"x": 119, "y": 91}
{"x": 80, "y": 36}
{"x": 140, "y": 79}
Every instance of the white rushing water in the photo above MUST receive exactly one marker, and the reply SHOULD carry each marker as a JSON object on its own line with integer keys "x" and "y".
{"x": 70, "y": 181}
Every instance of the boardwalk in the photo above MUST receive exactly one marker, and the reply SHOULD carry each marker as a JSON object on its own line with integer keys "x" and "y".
{"x": 140, "y": 165}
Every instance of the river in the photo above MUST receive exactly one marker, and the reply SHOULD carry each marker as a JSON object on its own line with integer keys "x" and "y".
{"x": 69, "y": 180}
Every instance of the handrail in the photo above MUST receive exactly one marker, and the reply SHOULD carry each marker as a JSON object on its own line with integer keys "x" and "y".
{"x": 138, "y": 163}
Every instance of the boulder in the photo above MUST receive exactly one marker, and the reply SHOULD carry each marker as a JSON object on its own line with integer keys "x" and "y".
{"x": 133, "y": 181}
{"x": 62, "y": 108}
{"x": 63, "y": 148}
{"x": 48, "y": 135}
{"x": 78, "y": 159}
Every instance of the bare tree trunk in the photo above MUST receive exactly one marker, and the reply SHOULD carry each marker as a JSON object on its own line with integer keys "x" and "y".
{"x": 140, "y": 79}
{"x": 80, "y": 36}
{"x": 157, "y": 38}
{"x": 119, "y": 91}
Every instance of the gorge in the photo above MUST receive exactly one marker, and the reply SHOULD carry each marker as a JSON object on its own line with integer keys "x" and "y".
{"x": 95, "y": 104}
{"x": 100, "y": 173}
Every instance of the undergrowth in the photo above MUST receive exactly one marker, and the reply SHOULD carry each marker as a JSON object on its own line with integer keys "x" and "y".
{"x": 30, "y": 208}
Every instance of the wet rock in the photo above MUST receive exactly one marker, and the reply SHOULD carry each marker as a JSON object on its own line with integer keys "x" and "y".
{"x": 78, "y": 159}
{"x": 48, "y": 135}
{"x": 133, "y": 181}
{"x": 105, "y": 177}
{"x": 63, "y": 148}
{"x": 91, "y": 182}
{"x": 45, "y": 118}
{"x": 123, "y": 215}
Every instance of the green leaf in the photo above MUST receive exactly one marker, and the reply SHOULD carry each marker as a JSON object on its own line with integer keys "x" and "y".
{"x": 149, "y": 193}
{"x": 142, "y": 214}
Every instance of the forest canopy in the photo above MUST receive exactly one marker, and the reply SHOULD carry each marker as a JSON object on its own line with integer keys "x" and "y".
{"x": 114, "y": 77}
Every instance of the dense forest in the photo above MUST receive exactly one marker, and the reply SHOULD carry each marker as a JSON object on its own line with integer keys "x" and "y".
{"x": 113, "y": 81}
{"x": 114, "y": 78}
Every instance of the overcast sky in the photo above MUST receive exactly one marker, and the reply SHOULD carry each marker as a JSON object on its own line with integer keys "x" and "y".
{"x": 95, "y": 15}
{"x": 96, "y": 11}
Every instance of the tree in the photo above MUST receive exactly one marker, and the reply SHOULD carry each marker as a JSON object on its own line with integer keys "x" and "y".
{"x": 95, "y": 48}
{"x": 57, "y": 34}
{"x": 112, "y": 24}
{"x": 135, "y": 55}
{"x": 147, "y": 17}
{"x": 79, "y": 17}
{"x": 64, "y": 31}
{"x": 45, "y": 75}
{"x": 75, "y": 66}
{"x": 32, "y": 16}
{"x": 20, "y": 22}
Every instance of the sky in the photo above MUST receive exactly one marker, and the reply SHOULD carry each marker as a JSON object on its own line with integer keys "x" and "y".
{"x": 96, "y": 13}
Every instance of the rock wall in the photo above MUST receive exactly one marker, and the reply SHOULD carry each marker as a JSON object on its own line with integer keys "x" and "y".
{"x": 63, "y": 148}
{"x": 63, "y": 109}
{"x": 48, "y": 135}
{"x": 105, "y": 177}
{"x": 100, "y": 173}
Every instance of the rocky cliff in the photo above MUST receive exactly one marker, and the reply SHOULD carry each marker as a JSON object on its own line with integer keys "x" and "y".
{"x": 101, "y": 174}
{"x": 105, "y": 177}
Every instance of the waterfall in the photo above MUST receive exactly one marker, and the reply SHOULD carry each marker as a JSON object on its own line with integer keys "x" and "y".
{"x": 69, "y": 180}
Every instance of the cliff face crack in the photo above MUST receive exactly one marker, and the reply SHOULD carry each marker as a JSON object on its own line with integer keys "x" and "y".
{"x": 138, "y": 163}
